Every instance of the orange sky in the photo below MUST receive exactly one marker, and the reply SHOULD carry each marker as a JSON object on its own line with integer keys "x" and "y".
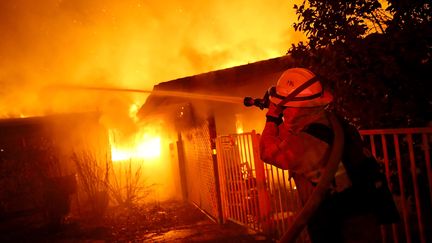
{"x": 127, "y": 43}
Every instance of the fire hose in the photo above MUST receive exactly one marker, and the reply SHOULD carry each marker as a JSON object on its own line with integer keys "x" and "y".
{"x": 323, "y": 185}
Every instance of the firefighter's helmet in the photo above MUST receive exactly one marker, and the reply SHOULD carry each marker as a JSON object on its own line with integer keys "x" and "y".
{"x": 294, "y": 80}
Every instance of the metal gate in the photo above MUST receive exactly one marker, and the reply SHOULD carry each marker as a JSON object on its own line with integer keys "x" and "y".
{"x": 238, "y": 178}
{"x": 254, "y": 194}
{"x": 264, "y": 198}
{"x": 199, "y": 169}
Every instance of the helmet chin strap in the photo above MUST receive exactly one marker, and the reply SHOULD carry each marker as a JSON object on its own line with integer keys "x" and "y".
{"x": 297, "y": 91}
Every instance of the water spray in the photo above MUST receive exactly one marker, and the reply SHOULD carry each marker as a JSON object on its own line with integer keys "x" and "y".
{"x": 226, "y": 99}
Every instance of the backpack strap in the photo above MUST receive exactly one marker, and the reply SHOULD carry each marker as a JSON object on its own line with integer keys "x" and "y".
{"x": 320, "y": 131}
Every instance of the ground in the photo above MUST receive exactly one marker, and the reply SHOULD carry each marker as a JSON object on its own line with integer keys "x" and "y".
{"x": 157, "y": 222}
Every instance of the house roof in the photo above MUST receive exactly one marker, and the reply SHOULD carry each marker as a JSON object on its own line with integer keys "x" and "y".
{"x": 33, "y": 124}
{"x": 246, "y": 80}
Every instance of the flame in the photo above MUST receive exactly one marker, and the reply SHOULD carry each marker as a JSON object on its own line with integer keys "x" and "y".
{"x": 143, "y": 144}
{"x": 133, "y": 110}
{"x": 140, "y": 150}
{"x": 239, "y": 123}
{"x": 143, "y": 147}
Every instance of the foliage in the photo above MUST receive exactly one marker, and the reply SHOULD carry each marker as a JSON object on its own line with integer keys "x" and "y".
{"x": 328, "y": 22}
{"x": 128, "y": 186}
{"x": 92, "y": 173}
{"x": 101, "y": 180}
{"x": 408, "y": 14}
{"x": 379, "y": 78}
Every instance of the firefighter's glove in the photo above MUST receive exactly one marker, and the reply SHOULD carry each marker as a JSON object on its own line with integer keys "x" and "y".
{"x": 274, "y": 114}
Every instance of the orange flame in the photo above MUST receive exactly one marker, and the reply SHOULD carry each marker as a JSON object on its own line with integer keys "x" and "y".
{"x": 239, "y": 123}
{"x": 144, "y": 144}
{"x": 143, "y": 147}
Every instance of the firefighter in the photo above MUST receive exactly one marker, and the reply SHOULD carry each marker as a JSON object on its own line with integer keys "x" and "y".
{"x": 296, "y": 111}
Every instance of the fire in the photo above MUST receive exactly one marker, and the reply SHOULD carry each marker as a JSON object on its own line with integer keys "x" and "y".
{"x": 133, "y": 110}
{"x": 239, "y": 123}
{"x": 149, "y": 148}
{"x": 141, "y": 155}
{"x": 143, "y": 147}
{"x": 144, "y": 144}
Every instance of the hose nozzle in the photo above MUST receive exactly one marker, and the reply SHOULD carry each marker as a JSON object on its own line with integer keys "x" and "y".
{"x": 260, "y": 103}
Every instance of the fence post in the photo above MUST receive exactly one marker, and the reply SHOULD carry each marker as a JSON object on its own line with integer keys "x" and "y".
{"x": 182, "y": 169}
{"x": 263, "y": 196}
{"x": 213, "y": 135}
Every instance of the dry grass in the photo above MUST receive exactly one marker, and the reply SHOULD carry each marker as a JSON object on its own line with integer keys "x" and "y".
{"x": 101, "y": 180}
{"x": 129, "y": 186}
{"x": 93, "y": 180}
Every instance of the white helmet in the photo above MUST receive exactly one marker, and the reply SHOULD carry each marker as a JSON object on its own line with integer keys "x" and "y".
{"x": 303, "y": 85}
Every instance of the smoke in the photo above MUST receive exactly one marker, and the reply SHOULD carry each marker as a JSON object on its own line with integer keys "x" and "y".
{"x": 127, "y": 43}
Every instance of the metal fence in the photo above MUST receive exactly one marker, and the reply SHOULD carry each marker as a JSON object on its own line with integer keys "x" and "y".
{"x": 405, "y": 157}
{"x": 199, "y": 169}
{"x": 264, "y": 198}
{"x": 238, "y": 179}
{"x": 255, "y": 194}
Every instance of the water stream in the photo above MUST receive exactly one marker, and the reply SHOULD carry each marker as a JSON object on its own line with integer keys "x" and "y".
{"x": 219, "y": 98}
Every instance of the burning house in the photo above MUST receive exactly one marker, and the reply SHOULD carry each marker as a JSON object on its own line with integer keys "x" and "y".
{"x": 193, "y": 139}
{"x": 118, "y": 44}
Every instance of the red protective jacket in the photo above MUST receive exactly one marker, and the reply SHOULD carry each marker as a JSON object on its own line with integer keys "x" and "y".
{"x": 289, "y": 147}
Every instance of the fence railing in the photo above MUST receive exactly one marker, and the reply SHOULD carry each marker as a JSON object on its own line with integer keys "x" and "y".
{"x": 264, "y": 198}
{"x": 405, "y": 157}
{"x": 238, "y": 178}
{"x": 254, "y": 194}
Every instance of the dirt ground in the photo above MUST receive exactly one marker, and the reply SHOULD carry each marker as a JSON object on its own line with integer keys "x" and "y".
{"x": 157, "y": 222}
